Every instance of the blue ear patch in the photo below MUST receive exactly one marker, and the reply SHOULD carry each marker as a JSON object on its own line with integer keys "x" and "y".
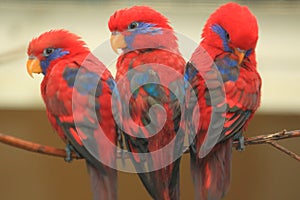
{"x": 222, "y": 33}
{"x": 57, "y": 53}
{"x": 146, "y": 28}
{"x": 143, "y": 28}
{"x": 248, "y": 52}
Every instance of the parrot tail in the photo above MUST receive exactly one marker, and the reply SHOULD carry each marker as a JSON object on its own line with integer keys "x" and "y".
{"x": 163, "y": 184}
{"x": 212, "y": 174}
{"x": 104, "y": 182}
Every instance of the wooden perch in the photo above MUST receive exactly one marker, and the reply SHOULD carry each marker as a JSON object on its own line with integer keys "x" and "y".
{"x": 34, "y": 147}
{"x": 49, "y": 150}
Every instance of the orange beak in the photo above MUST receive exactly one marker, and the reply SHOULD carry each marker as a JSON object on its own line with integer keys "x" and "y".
{"x": 117, "y": 41}
{"x": 240, "y": 54}
{"x": 33, "y": 66}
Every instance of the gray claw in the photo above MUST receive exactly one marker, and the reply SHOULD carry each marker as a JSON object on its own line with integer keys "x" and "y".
{"x": 241, "y": 144}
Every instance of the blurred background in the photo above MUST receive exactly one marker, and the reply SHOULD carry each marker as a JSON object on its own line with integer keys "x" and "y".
{"x": 260, "y": 172}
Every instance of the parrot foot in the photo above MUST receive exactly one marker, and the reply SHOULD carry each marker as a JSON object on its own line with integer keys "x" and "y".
{"x": 69, "y": 150}
{"x": 241, "y": 143}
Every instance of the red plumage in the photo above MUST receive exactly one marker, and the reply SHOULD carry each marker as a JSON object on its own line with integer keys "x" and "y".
{"x": 78, "y": 111}
{"x": 120, "y": 20}
{"x": 234, "y": 96}
{"x": 150, "y": 54}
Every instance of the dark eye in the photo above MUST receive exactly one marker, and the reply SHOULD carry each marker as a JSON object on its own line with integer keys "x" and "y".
{"x": 48, "y": 51}
{"x": 227, "y": 36}
{"x": 133, "y": 25}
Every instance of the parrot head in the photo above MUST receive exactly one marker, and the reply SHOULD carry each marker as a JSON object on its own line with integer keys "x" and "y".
{"x": 50, "y": 47}
{"x": 140, "y": 27}
{"x": 232, "y": 28}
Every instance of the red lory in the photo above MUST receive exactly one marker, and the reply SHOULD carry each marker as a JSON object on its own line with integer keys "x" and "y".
{"x": 222, "y": 72}
{"x": 149, "y": 78}
{"x": 77, "y": 90}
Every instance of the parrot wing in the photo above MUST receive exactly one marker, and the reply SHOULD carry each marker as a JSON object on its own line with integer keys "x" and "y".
{"x": 91, "y": 128}
{"x": 229, "y": 111}
{"x": 242, "y": 88}
{"x": 150, "y": 102}
{"x": 227, "y": 98}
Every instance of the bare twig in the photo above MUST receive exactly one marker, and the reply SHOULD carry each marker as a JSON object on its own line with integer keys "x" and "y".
{"x": 49, "y": 150}
{"x": 272, "y": 138}
{"x": 264, "y": 139}
{"x": 285, "y": 150}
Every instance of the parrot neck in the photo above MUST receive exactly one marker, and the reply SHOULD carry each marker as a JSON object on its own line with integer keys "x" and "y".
{"x": 162, "y": 39}
{"x": 214, "y": 52}
{"x": 211, "y": 49}
{"x": 151, "y": 58}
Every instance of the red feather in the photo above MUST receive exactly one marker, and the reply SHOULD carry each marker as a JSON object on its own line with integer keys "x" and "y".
{"x": 66, "y": 104}
{"x": 211, "y": 174}
{"x": 120, "y": 20}
{"x": 158, "y": 51}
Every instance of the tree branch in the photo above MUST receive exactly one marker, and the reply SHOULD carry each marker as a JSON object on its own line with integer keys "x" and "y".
{"x": 34, "y": 147}
{"x": 271, "y": 140}
{"x": 264, "y": 139}
{"x": 49, "y": 150}
{"x": 285, "y": 150}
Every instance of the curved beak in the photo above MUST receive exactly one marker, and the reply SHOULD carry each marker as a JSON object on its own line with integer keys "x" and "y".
{"x": 117, "y": 41}
{"x": 240, "y": 54}
{"x": 33, "y": 66}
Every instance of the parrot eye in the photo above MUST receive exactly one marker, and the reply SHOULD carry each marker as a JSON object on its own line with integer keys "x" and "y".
{"x": 227, "y": 36}
{"x": 133, "y": 25}
{"x": 48, "y": 51}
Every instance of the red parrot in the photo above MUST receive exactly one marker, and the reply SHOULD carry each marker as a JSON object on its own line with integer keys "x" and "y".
{"x": 222, "y": 72}
{"x": 149, "y": 76}
{"x": 77, "y": 90}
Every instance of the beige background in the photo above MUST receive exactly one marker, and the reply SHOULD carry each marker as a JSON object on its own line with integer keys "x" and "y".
{"x": 260, "y": 173}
